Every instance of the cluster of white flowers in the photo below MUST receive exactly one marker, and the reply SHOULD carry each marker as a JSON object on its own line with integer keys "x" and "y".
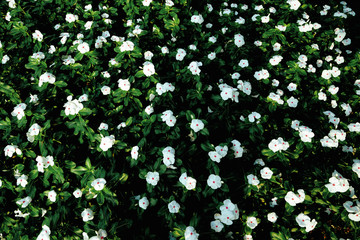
{"x": 100, "y": 235}
{"x": 188, "y": 182}
{"x": 127, "y": 46}
{"x": 44, "y": 162}
{"x": 168, "y": 156}
{"x": 278, "y": 145}
{"x": 181, "y": 53}
{"x": 46, "y": 77}
{"x": 197, "y": 19}
{"x": 239, "y": 40}
{"x": 237, "y": 148}
{"x": 19, "y": 111}
{"x": 107, "y": 142}
{"x": 45, "y": 233}
{"x": 163, "y": 88}
{"x": 262, "y": 74}
{"x": 305, "y": 222}
{"x": 98, "y": 184}
{"x": 337, "y": 183}
{"x": 148, "y": 68}
{"x": 354, "y": 211}
{"x": 194, "y": 67}
{"x": 306, "y": 134}
{"x": 72, "y": 107}
{"x": 228, "y": 92}
{"x": 11, "y": 149}
{"x": 229, "y": 213}
{"x": 244, "y": 86}
{"x": 293, "y": 199}
{"x": 169, "y": 118}
{"x": 33, "y": 131}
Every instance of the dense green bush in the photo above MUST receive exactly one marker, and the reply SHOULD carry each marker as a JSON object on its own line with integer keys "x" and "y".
{"x": 147, "y": 119}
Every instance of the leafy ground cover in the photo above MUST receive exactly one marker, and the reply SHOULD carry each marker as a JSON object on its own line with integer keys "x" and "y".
{"x": 176, "y": 119}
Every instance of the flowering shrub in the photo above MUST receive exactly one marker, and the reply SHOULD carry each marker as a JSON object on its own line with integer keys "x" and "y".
{"x": 177, "y": 119}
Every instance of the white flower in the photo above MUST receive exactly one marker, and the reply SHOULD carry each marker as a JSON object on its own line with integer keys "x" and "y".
{"x": 88, "y": 25}
{"x": 291, "y": 87}
{"x": 87, "y": 214}
{"x": 5, "y": 59}
{"x": 302, "y": 220}
{"x": 254, "y": 115}
{"x": 71, "y": 18}
{"x": 19, "y": 111}
{"x": 214, "y": 181}
{"x": 190, "y": 183}
{"x": 239, "y": 40}
{"x": 257, "y": 43}
{"x": 98, "y": 184}
{"x": 168, "y": 158}
{"x": 212, "y": 55}
{"x": 72, "y": 107}
{"x": 292, "y": 198}
{"x": 124, "y": 84}
{"x": 194, "y": 67}
{"x": 24, "y": 202}
{"x": 212, "y": 39}
{"x": 252, "y": 180}
{"x": 105, "y": 90}
{"x": 11, "y": 149}
{"x": 52, "y": 196}
{"x": 83, "y": 47}
{"x": 215, "y": 156}
{"x": 103, "y": 126}
{"x": 248, "y": 237}
{"x": 148, "y": 69}
{"x": 181, "y": 53}
{"x": 107, "y": 142}
{"x": 148, "y": 55}
{"x": 216, "y": 225}
{"x": 272, "y": 217}
{"x": 196, "y": 125}
{"x": 306, "y": 135}
{"x": 164, "y": 50}
{"x": 292, "y": 102}
{"x": 152, "y": 178}
{"x": 197, "y": 19}
{"x": 146, "y": 3}
{"x": 251, "y": 222}
{"x": 37, "y": 35}
{"x": 135, "y": 152}
{"x": 22, "y": 180}
{"x": 149, "y": 109}
{"x": 173, "y": 207}
{"x": 77, "y": 193}
{"x": 278, "y": 145}
{"x": 294, "y": 4}
{"x": 266, "y": 173}
{"x": 243, "y": 63}
{"x": 46, "y": 77}
{"x": 190, "y": 233}
{"x": 127, "y": 46}
{"x": 144, "y": 203}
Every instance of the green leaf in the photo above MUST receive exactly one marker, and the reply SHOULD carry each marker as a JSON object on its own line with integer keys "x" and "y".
{"x": 85, "y": 111}
{"x": 88, "y": 163}
{"x": 79, "y": 170}
{"x": 60, "y": 84}
{"x": 129, "y": 121}
{"x": 139, "y": 74}
{"x": 277, "y": 236}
